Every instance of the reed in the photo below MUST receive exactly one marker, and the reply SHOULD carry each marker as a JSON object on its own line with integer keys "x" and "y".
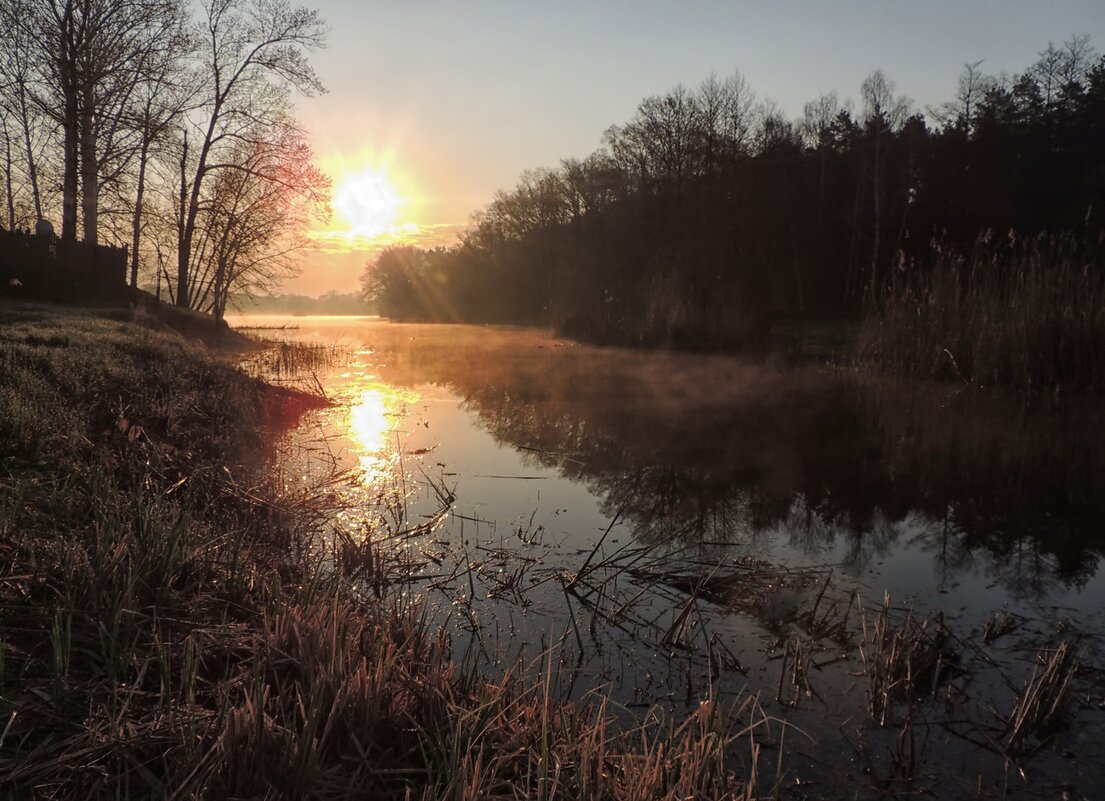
{"x": 904, "y": 658}
{"x": 1039, "y": 704}
{"x": 1028, "y": 314}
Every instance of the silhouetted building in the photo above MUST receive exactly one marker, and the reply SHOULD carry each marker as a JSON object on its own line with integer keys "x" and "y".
{"x": 44, "y": 267}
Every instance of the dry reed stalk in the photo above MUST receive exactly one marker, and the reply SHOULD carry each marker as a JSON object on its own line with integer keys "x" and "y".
{"x": 901, "y": 658}
{"x": 1039, "y": 705}
{"x": 794, "y": 680}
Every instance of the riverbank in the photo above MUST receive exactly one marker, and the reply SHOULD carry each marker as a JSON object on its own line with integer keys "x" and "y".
{"x": 167, "y": 633}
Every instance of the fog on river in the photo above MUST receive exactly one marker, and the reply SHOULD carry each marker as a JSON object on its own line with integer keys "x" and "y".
{"x": 669, "y": 524}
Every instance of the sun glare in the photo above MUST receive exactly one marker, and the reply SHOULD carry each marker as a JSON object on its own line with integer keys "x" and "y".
{"x": 371, "y": 424}
{"x": 368, "y": 203}
{"x": 376, "y": 204}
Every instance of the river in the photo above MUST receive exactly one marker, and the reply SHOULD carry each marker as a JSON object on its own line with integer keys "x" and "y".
{"x": 658, "y": 528}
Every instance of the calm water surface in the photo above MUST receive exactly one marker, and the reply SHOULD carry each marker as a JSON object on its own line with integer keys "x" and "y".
{"x": 672, "y": 525}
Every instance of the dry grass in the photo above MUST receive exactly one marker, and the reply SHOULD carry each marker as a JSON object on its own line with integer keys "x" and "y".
{"x": 1028, "y": 314}
{"x": 903, "y": 659}
{"x": 278, "y": 360}
{"x": 1039, "y": 705}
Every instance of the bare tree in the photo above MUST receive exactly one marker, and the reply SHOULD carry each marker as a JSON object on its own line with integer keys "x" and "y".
{"x": 9, "y": 194}
{"x": 972, "y": 87}
{"x": 16, "y": 101}
{"x": 818, "y": 117}
{"x": 54, "y": 32}
{"x": 725, "y": 120}
{"x": 880, "y": 103}
{"x": 1061, "y": 67}
{"x": 818, "y": 131}
{"x": 659, "y": 144}
{"x": 740, "y": 115}
{"x": 130, "y": 44}
{"x": 970, "y": 91}
{"x": 255, "y": 50}
{"x": 774, "y": 132}
{"x": 161, "y": 97}
{"x": 253, "y": 217}
{"x": 84, "y": 63}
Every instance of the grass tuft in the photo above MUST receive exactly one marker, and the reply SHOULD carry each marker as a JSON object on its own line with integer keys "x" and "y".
{"x": 904, "y": 658}
{"x": 1039, "y": 705}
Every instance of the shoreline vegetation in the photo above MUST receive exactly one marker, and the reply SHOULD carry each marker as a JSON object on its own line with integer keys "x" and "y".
{"x": 967, "y": 237}
{"x": 166, "y": 632}
{"x": 1024, "y": 314}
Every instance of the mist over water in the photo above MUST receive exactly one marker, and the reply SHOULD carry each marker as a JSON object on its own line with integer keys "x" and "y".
{"x": 598, "y": 496}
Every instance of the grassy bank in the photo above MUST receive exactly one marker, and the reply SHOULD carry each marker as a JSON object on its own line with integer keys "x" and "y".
{"x": 1024, "y": 314}
{"x": 165, "y": 633}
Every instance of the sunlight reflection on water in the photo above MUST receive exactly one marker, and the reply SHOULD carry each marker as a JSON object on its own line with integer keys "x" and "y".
{"x": 371, "y": 426}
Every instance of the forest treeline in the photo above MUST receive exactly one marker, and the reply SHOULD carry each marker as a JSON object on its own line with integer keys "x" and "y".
{"x": 709, "y": 213}
{"x": 165, "y": 126}
{"x": 332, "y": 302}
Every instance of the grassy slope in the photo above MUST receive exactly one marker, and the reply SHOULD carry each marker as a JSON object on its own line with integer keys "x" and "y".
{"x": 162, "y": 634}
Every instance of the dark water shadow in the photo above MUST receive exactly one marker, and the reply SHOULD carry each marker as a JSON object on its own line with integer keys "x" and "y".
{"x": 708, "y": 450}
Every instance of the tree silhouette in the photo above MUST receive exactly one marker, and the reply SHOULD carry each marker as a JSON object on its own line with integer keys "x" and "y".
{"x": 707, "y": 215}
{"x": 255, "y": 52}
{"x": 139, "y": 114}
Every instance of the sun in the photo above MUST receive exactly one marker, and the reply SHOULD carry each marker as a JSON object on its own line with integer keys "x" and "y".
{"x": 368, "y": 203}
{"x": 375, "y": 204}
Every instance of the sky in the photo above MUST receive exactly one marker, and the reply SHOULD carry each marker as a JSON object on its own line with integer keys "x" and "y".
{"x": 433, "y": 106}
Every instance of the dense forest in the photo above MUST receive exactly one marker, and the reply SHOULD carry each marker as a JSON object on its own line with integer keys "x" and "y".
{"x": 709, "y": 200}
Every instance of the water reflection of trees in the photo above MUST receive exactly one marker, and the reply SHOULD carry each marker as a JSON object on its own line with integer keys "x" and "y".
{"x": 704, "y": 452}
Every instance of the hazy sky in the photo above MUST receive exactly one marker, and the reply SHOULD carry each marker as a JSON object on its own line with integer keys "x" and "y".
{"x": 460, "y": 98}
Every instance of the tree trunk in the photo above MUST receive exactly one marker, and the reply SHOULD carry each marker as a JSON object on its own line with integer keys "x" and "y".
{"x": 69, "y": 182}
{"x": 32, "y": 169}
{"x": 136, "y": 230}
{"x": 188, "y": 223}
{"x": 90, "y": 174}
{"x": 184, "y": 248}
{"x": 70, "y": 125}
{"x": 218, "y": 304}
{"x": 10, "y": 197}
{"x": 877, "y": 188}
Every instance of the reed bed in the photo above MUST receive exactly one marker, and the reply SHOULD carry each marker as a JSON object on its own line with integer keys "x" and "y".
{"x": 282, "y": 358}
{"x": 1029, "y": 314}
{"x": 290, "y": 363}
{"x": 904, "y": 658}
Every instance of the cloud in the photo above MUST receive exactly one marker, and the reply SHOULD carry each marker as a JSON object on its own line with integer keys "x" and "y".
{"x": 424, "y": 236}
